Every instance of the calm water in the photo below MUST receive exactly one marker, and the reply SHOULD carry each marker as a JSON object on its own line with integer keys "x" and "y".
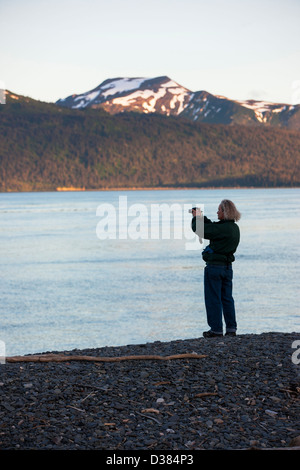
{"x": 64, "y": 288}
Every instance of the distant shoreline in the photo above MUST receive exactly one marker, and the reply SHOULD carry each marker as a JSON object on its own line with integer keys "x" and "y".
{"x": 142, "y": 188}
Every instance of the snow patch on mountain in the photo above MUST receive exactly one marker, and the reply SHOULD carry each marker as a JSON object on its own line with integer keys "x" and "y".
{"x": 85, "y": 99}
{"x": 265, "y": 106}
{"x": 121, "y": 85}
{"x": 143, "y": 95}
{"x": 151, "y": 97}
{"x": 103, "y": 92}
{"x": 261, "y": 108}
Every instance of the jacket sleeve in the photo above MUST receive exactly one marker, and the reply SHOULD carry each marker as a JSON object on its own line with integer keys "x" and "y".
{"x": 197, "y": 226}
{"x": 204, "y": 227}
{"x": 211, "y": 230}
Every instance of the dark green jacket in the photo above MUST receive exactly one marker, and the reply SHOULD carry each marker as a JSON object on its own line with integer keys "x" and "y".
{"x": 224, "y": 238}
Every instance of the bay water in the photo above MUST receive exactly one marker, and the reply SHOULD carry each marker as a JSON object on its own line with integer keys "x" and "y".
{"x": 66, "y": 284}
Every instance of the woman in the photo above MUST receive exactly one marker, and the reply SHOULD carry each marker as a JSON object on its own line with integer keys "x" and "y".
{"x": 224, "y": 237}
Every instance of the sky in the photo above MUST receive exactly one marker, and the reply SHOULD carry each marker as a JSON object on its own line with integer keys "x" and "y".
{"x": 240, "y": 49}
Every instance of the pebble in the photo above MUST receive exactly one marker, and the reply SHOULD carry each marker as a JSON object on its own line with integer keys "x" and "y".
{"x": 251, "y": 386}
{"x": 160, "y": 400}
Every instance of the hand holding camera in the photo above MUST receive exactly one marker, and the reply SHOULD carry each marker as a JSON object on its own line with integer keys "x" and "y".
{"x": 196, "y": 212}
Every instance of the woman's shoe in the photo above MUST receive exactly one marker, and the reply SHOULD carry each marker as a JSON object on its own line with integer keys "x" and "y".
{"x": 210, "y": 334}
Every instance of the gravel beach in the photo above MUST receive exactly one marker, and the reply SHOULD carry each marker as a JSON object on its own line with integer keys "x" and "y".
{"x": 244, "y": 394}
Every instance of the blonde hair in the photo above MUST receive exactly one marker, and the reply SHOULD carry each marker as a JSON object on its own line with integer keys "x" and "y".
{"x": 230, "y": 211}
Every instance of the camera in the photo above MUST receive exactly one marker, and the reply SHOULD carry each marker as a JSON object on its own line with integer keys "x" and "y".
{"x": 193, "y": 209}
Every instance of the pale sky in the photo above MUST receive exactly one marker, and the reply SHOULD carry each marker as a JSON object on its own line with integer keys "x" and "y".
{"x": 242, "y": 49}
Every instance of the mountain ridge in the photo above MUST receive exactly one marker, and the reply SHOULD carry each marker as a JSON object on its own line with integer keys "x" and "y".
{"x": 44, "y": 147}
{"x": 165, "y": 96}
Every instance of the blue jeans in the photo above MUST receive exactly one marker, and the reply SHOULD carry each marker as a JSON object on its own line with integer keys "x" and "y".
{"x": 218, "y": 298}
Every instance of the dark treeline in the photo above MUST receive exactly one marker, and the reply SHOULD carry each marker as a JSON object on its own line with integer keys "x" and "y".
{"x": 43, "y": 147}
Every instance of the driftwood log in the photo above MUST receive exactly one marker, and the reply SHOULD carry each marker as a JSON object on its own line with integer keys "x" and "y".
{"x": 65, "y": 358}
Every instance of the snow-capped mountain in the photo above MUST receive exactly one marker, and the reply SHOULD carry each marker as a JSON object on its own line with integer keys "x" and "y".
{"x": 165, "y": 96}
{"x": 160, "y": 94}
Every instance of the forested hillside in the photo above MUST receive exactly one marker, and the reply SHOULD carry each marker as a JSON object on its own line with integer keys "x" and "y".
{"x": 43, "y": 147}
